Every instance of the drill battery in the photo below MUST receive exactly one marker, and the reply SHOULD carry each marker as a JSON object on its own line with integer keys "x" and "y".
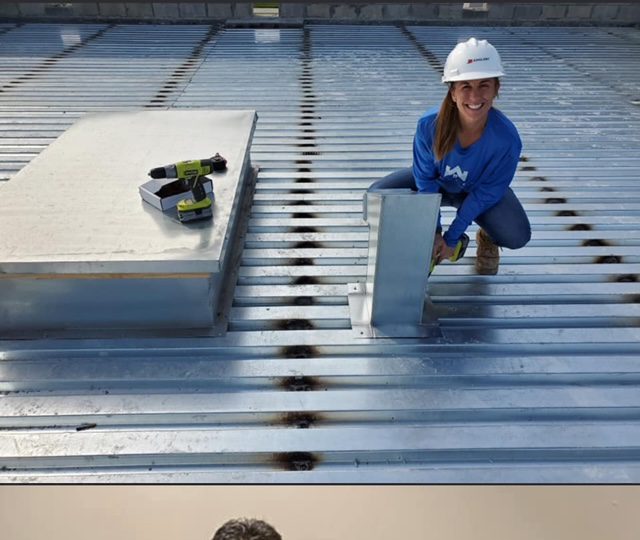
{"x": 191, "y": 210}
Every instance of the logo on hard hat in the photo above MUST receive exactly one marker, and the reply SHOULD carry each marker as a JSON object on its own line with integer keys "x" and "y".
{"x": 472, "y": 60}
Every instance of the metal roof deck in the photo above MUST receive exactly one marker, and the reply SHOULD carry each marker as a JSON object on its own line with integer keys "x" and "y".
{"x": 537, "y": 378}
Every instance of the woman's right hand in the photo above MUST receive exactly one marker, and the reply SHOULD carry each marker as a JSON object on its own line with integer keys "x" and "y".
{"x": 441, "y": 250}
{"x": 438, "y": 245}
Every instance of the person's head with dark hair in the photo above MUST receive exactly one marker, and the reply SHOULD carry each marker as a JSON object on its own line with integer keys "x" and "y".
{"x": 246, "y": 529}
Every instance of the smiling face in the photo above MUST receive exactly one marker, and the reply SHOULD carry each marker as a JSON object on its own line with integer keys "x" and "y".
{"x": 473, "y": 100}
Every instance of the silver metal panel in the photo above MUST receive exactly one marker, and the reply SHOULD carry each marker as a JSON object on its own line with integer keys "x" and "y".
{"x": 535, "y": 377}
{"x": 391, "y": 302}
{"x": 85, "y": 214}
{"x": 70, "y": 305}
{"x": 221, "y": 445}
{"x": 392, "y": 472}
{"x": 379, "y": 404}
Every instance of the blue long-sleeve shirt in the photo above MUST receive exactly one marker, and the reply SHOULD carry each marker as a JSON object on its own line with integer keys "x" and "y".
{"x": 484, "y": 170}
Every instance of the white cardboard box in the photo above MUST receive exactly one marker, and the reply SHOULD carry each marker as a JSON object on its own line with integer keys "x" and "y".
{"x": 165, "y": 194}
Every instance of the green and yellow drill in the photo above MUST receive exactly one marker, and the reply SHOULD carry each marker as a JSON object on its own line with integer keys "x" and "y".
{"x": 192, "y": 174}
{"x": 458, "y": 253}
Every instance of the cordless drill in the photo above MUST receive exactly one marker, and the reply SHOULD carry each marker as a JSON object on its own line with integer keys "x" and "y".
{"x": 458, "y": 253}
{"x": 191, "y": 174}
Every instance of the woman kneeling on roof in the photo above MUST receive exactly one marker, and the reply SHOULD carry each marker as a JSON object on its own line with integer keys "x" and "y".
{"x": 468, "y": 151}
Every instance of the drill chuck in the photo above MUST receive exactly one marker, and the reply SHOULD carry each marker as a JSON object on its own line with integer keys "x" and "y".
{"x": 163, "y": 172}
{"x": 218, "y": 163}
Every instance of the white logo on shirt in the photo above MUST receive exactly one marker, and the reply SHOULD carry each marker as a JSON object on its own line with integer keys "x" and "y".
{"x": 456, "y": 172}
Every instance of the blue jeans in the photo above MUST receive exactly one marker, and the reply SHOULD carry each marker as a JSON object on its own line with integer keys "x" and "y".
{"x": 506, "y": 222}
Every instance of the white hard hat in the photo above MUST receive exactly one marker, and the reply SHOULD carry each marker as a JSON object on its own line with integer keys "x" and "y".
{"x": 472, "y": 59}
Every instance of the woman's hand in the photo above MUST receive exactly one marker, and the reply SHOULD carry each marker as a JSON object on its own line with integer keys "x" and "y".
{"x": 441, "y": 250}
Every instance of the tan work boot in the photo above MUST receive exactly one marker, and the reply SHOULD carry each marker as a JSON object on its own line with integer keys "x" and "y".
{"x": 487, "y": 254}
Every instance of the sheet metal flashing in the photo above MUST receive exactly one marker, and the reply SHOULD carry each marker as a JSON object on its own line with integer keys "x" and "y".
{"x": 393, "y": 300}
{"x": 536, "y": 378}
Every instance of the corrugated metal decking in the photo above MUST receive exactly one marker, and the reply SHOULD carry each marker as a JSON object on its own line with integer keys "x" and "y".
{"x": 537, "y": 377}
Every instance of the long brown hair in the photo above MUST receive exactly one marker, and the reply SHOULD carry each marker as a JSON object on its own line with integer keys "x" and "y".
{"x": 448, "y": 123}
{"x": 446, "y": 127}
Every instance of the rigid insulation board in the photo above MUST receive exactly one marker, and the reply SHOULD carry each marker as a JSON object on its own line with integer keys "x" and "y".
{"x": 77, "y": 235}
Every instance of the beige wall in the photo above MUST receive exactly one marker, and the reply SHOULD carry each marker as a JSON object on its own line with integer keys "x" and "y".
{"x": 322, "y": 512}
